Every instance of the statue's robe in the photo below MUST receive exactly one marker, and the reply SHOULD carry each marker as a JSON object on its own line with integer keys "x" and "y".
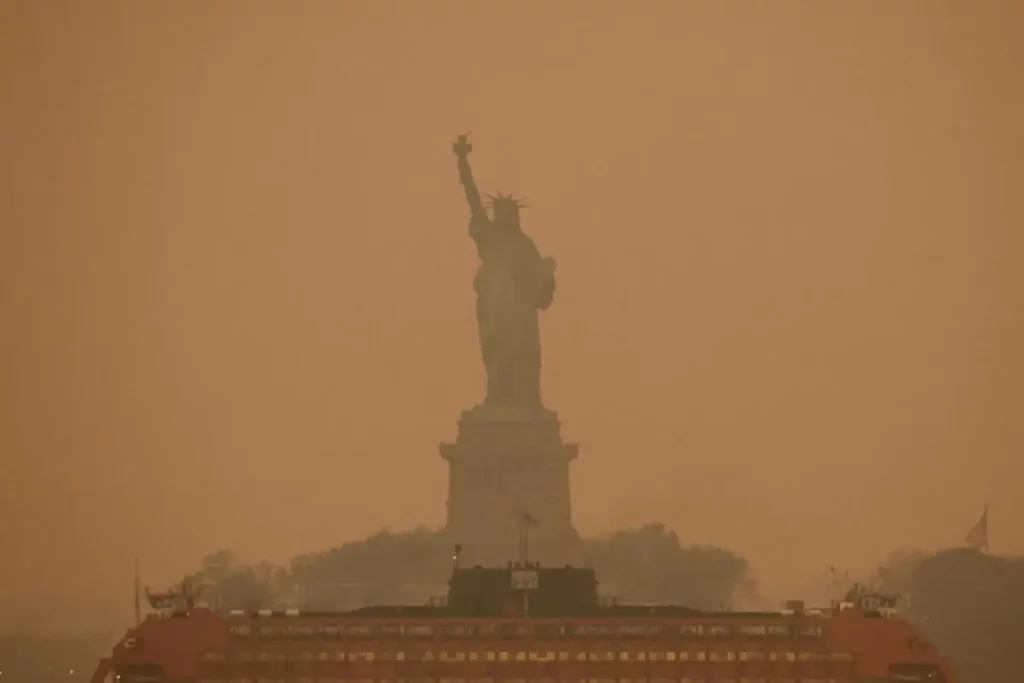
{"x": 512, "y": 283}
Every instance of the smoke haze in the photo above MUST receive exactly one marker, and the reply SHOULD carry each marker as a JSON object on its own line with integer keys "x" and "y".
{"x": 236, "y": 277}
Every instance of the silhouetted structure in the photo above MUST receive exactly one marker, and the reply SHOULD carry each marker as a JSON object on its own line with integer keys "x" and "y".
{"x": 512, "y": 284}
{"x": 509, "y": 467}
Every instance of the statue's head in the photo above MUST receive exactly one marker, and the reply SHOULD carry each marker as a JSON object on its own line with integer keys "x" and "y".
{"x": 505, "y": 210}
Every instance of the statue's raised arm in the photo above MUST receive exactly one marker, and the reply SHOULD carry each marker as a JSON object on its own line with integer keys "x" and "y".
{"x": 462, "y": 148}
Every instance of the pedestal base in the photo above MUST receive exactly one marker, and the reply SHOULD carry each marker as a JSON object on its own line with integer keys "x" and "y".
{"x": 507, "y": 463}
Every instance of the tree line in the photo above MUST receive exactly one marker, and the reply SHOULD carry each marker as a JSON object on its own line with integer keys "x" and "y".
{"x": 645, "y": 565}
{"x": 969, "y": 604}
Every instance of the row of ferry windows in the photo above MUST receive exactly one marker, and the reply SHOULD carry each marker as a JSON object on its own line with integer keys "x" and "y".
{"x": 684, "y": 679}
{"x": 523, "y": 630}
{"x": 599, "y": 656}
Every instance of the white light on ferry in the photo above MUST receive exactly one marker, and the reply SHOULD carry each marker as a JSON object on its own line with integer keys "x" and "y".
{"x": 71, "y": 672}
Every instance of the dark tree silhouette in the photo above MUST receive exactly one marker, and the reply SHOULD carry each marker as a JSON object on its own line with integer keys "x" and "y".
{"x": 650, "y": 565}
{"x": 645, "y": 565}
{"x": 971, "y": 605}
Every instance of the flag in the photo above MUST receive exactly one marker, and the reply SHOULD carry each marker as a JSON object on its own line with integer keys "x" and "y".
{"x": 977, "y": 537}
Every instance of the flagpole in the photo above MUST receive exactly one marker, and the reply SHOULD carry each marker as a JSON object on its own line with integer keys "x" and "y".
{"x": 526, "y": 542}
{"x": 138, "y": 609}
{"x": 986, "y": 527}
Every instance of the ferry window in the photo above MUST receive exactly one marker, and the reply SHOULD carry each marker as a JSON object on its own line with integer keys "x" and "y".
{"x": 213, "y": 656}
{"x": 811, "y": 657}
{"x": 333, "y": 631}
{"x": 753, "y": 630}
{"x": 693, "y": 656}
{"x": 272, "y": 631}
{"x": 455, "y": 631}
{"x": 633, "y": 631}
{"x": 240, "y": 630}
{"x": 488, "y": 630}
{"x": 447, "y": 656}
{"x": 722, "y": 656}
{"x": 359, "y": 631}
{"x": 783, "y": 630}
{"x": 601, "y": 656}
{"x": 587, "y": 630}
{"x": 916, "y": 672}
{"x": 271, "y": 657}
{"x": 294, "y": 630}
{"x": 627, "y": 656}
{"x": 365, "y": 656}
{"x": 420, "y": 630}
{"x": 594, "y": 630}
{"x": 390, "y": 630}
{"x": 542, "y": 656}
{"x": 245, "y": 656}
{"x": 691, "y": 631}
{"x": 563, "y": 656}
{"x": 753, "y": 656}
{"x": 513, "y": 630}
{"x": 810, "y": 631}
{"x": 718, "y": 630}
{"x": 503, "y": 656}
{"x": 781, "y": 656}
{"x": 548, "y": 631}
{"x": 661, "y": 656}
{"x": 300, "y": 657}
{"x": 840, "y": 657}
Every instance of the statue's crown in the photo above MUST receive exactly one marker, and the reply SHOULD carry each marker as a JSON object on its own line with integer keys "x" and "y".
{"x": 500, "y": 201}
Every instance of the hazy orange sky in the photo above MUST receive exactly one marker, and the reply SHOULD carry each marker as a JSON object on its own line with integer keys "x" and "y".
{"x": 236, "y": 298}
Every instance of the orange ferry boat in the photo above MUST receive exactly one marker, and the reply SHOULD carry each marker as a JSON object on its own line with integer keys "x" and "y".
{"x": 525, "y": 624}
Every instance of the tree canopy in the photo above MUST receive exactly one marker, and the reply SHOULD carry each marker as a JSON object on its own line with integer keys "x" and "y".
{"x": 971, "y": 605}
{"x": 644, "y": 565}
{"x": 651, "y": 565}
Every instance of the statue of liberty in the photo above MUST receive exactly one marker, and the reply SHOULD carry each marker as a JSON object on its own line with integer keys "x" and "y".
{"x": 513, "y": 283}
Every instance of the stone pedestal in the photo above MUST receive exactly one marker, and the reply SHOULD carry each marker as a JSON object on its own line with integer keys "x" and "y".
{"x": 504, "y": 464}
